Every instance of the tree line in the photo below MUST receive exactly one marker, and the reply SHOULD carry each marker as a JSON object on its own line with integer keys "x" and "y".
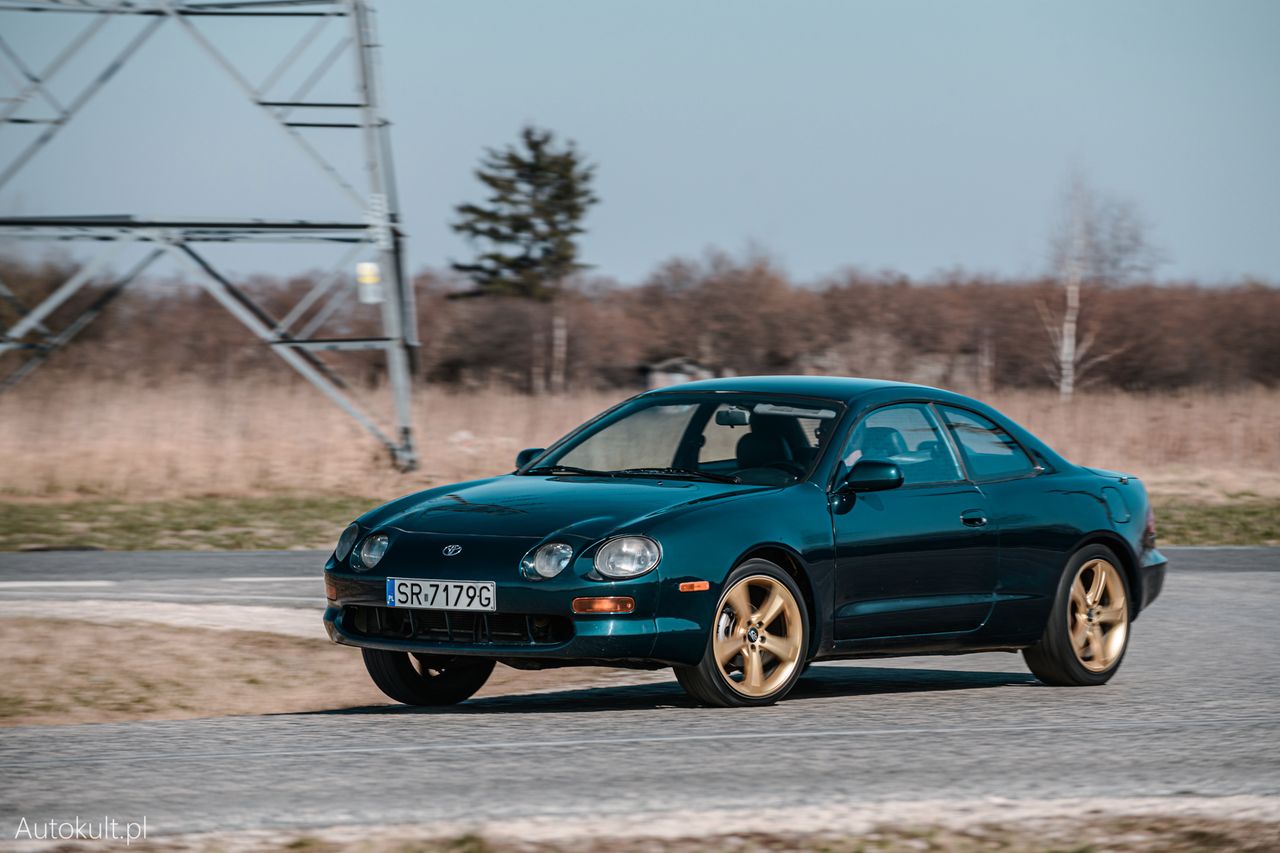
{"x": 732, "y": 314}
{"x": 525, "y": 312}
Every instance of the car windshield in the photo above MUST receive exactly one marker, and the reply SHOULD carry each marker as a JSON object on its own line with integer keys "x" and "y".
{"x": 735, "y": 438}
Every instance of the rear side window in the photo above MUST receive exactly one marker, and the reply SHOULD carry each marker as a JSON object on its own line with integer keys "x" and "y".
{"x": 989, "y": 451}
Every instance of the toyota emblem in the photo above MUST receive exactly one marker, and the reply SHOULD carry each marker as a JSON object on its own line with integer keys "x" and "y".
{"x": 452, "y": 550}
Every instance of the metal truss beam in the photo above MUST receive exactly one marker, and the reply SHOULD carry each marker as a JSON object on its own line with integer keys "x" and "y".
{"x": 174, "y": 239}
{"x": 377, "y": 229}
{"x": 76, "y": 325}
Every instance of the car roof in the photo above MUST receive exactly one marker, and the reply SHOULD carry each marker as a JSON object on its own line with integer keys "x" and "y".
{"x": 844, "y": 388}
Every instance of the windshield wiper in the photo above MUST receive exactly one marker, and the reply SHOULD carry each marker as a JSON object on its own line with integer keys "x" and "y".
{"x": 683, "y": 472}
{"x": 568, "y": 469}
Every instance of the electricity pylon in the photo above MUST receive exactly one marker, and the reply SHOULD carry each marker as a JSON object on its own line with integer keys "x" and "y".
{"x": 372, "y": 232}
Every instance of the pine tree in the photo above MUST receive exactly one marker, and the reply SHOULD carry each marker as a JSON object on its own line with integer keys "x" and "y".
{"x": 526, "y": 232}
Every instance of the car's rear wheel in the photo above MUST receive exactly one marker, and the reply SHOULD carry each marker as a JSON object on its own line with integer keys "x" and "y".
{"x": 426, "y": 679}
{"x": 758, "y": 642}
{"x": 1088, "y": 629}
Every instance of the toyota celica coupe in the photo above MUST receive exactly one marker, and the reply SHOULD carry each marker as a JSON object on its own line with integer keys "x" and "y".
{"x": 739, "y": 529}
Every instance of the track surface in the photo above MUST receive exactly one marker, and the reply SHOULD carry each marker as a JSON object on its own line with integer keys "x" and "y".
{"x": 1194, "y": 710}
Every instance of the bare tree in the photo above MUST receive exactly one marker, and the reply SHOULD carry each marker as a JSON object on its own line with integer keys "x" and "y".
{"x": 1100, "y": 241}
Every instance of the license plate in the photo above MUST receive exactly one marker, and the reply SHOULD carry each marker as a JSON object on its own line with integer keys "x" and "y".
{"x": 428, "y": 594}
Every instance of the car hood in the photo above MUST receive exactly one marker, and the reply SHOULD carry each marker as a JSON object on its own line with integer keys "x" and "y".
{"x": 539, "y": 507}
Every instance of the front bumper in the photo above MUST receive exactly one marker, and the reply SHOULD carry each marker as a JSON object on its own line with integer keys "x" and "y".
{"x": 534, "y": 622}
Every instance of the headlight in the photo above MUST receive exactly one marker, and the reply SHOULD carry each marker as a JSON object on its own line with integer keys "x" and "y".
{"x": 547, "y": 561}
{"x": 373, "y": 549}
{"x": 627, "y": 557}
{"x": 346, "y": 542}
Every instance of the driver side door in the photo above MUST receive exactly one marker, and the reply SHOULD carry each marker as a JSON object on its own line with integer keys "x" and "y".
{"x": 920, "y": 559}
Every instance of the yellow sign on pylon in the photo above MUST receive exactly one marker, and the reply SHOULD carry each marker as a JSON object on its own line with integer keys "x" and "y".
{"x": 369, "y": 279}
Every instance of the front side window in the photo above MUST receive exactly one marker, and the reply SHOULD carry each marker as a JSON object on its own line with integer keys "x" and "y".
{"x": 745, "y": 438}
{"x": 907, "y": 435}
{"x": 989, "y": 452}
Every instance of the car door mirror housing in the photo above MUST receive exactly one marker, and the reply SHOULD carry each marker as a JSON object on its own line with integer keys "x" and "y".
{"x": 524, "y": 457}
{"x": 871, "y": 475}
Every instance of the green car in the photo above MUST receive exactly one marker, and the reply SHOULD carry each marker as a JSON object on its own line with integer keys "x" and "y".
{"x": 739, "y": 529}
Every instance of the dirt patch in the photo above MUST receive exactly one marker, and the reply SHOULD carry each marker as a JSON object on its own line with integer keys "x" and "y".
{"x": 66, "y": 671}
{"x": 1172, "y": 833}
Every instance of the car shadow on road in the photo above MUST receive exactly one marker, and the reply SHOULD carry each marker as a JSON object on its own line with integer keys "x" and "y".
{"x": 818, "y": 683}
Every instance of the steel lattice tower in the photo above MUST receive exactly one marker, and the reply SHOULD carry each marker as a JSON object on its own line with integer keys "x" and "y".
{"x": 373, "y": 232}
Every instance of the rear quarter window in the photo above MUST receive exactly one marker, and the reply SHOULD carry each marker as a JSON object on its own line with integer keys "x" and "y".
{"x": 990, "y": 453}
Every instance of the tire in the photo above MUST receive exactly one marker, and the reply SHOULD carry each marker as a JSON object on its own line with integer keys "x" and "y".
{"x": 428, "y": 680}
{"x": 1087, "y": 633}
{"x": 739, "y": 666}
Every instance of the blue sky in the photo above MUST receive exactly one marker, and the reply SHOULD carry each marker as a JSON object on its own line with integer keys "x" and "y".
{"x": 906, "y": 135}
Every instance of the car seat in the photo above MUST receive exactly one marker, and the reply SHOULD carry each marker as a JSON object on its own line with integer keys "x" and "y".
{"x": 763, "y": 457}
{"x": 882, "y": 443}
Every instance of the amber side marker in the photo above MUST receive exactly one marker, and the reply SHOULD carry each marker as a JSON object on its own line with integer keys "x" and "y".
{"x": 695, "y": 586}
{"x": 608, "y": 604}
{"x": 330, "y": 588}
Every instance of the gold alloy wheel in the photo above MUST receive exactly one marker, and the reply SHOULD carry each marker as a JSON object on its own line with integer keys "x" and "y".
{"x": 758, "y": 636}
{"x": 1098, "y": 615}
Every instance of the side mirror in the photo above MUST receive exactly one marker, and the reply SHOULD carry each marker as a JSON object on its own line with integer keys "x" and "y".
{"x": 524, "y": 457}
{"x": 871, "y": 475}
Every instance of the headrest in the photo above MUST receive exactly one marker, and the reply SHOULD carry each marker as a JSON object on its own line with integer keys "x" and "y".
{"x": 882, "y": 443}
{"x": 759, "y": 450}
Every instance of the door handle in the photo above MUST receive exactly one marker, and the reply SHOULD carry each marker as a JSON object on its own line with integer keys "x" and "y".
{"x": 974, "y": 518}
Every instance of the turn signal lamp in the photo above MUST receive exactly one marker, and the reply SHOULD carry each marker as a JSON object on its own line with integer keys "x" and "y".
{"x": 606, "y": 604}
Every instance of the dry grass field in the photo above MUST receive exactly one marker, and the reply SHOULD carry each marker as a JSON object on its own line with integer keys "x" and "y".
{"x": 200, "y": 439}
{"x": 79, "y": 451}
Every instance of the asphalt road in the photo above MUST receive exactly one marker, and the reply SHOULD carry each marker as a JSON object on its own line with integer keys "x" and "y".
{"x": 267, "y": 578}
{"x": 1195, "y": 710}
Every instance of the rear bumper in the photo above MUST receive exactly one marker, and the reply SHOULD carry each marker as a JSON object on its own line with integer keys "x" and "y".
{"x": 1152, "y": 570}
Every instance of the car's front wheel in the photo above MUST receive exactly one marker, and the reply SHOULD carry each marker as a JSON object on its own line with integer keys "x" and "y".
{"x": 426, "y": 679}
{"x": 759, "y": 640}
{"x": 1088, "y": 629}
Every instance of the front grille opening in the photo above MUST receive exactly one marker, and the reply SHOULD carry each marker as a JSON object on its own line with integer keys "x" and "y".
{"x": 454, "y": 626}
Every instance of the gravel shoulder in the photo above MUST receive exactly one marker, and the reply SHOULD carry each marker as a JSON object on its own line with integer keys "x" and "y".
{"x": 62, "y": 671}
{"x": 1124, "y": 825}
